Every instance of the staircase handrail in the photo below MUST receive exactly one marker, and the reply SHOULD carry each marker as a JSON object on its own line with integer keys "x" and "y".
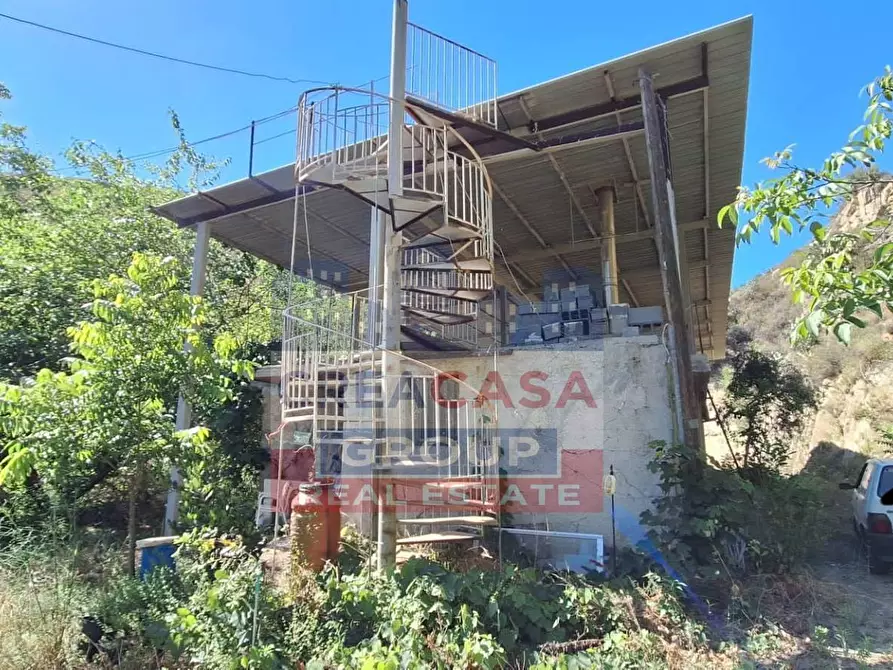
{"x": 387, "y": 98}
{"x": 363, "y": 344}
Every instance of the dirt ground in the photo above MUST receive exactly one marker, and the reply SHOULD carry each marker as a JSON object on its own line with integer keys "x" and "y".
{"x": 836, "y": 613}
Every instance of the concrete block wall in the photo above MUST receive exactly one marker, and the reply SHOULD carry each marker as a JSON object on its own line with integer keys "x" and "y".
{"x": 631, "y": 406}
{"x": 596, "y": 403}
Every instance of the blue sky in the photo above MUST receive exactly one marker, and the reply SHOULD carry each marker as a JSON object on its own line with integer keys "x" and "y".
{"x": 809, "y": 63}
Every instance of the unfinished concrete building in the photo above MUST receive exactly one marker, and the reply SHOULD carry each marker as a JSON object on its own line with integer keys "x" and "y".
{"x": 526, "y": 288}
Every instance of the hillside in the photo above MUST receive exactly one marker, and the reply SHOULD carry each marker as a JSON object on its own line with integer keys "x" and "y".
{"x": 855, "y": 383}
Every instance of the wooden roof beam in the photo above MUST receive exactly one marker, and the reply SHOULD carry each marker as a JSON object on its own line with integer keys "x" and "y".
{"x": 685, "y": 87}
{"x": 629, "y": 292}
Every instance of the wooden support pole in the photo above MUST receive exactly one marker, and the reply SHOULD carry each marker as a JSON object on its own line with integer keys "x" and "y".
{"x": 685, "y": 268}
{"x": 501, "y": 313}
{"x": 667, "y": 244}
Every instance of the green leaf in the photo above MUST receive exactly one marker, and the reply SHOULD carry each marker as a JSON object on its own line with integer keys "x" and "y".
{"x": 15, "y": 465}
{"x": 882, "y": 252}
{"x": 813, "y": 321}
{"x": 843, "y": 331}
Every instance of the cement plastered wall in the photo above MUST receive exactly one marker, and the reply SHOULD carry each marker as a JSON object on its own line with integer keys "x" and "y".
{"x": 627, "y": 378}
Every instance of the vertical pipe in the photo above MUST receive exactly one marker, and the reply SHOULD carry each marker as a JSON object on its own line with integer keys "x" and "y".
{"x": 376, "y": 270}
{"x": 251, "y": 153}
{"x": 184, "y": 411}
{"x": 609, "y": 245}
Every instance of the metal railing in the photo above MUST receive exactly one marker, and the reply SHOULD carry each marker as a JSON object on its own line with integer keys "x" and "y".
{"x": 351, "y": 142}
{"x": 434, "y": 170}
{"x": 334, "y": 382}
{"x": 438, "y": 304}
{"x": 465, "y": 334}
{"x": 343, "y": 128}
{"x": 449, "y": 75}
{"x": 453, "y": 281}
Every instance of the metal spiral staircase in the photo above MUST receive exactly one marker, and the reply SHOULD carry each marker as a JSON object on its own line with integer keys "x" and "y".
{"x": 335, "y": 384}
{"x": 431, "y": 431}
{"x": 444, "y": 214}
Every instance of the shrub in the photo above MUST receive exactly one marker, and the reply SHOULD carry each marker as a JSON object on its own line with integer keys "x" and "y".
{"x": 230, "y": 618}
{"x": 709, "y": 515}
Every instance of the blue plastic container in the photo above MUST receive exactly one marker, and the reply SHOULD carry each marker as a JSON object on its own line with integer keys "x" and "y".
{"x": 154, "y": 552}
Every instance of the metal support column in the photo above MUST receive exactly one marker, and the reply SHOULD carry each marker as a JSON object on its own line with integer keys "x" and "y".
{"x": 610, "y": 271}
{"x": 377, "y": 230}
{"x": 184, "y": 411}
{"x": 386, "y": 554}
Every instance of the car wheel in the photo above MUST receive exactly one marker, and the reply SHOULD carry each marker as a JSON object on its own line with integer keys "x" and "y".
{"x": 875, "y": 565}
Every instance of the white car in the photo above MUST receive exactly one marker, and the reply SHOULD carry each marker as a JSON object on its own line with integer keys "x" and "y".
{"x": 873, "y": 512}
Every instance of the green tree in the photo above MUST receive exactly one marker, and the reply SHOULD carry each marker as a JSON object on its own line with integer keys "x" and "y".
{"x": 844, "y": 276}
{"x": 60, "y": 233}
{"x": 763, "y": 408}
{"x": 112, "y": 409}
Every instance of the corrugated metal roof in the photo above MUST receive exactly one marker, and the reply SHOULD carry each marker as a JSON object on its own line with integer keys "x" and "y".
{"x": 706, "y": 114}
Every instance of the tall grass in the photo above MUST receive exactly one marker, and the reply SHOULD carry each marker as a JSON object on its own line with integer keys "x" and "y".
{"x": 41, "y": 599}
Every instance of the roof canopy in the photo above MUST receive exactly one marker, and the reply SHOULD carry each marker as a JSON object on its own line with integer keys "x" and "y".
{"x": 545, "y": 210}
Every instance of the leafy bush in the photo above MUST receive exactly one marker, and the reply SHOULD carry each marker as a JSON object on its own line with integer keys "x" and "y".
{"x": 215, "y": 611}
{"x": 711, "y": 515}
{"x": 426, "y": 616}
{"x": 218, "y": 491}
{"x": 229, "y": 618}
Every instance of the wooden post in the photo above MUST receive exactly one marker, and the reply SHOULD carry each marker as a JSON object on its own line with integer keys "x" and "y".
{"x": 667, "y": 244}
{"x": 501, "y": 316}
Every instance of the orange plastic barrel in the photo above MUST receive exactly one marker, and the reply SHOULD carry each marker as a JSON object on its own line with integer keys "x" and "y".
{"x": 315, "y": 526}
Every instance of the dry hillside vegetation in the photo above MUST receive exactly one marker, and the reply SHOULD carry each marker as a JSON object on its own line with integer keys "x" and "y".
{"x": 855, "y": 382}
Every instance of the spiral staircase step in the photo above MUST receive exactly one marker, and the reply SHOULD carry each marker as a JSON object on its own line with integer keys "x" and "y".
{"x": 447, "y": 234}
{"x": 437, "y": 538}
{"x": 465, "y": 265}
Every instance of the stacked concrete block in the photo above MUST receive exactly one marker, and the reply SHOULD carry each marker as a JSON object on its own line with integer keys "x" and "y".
{"x": 529, "y": 327}
{"x": 570, "y": 310}
{"x": 598, "y": 322}
{"x": 585, "y": 302}
{"x": 552, "y": 291}
{"x": 618, "y": 317}
{"x": 552, "y": 331}
{"x": 646, "y": 318}
{"x": 575, "y": 329}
